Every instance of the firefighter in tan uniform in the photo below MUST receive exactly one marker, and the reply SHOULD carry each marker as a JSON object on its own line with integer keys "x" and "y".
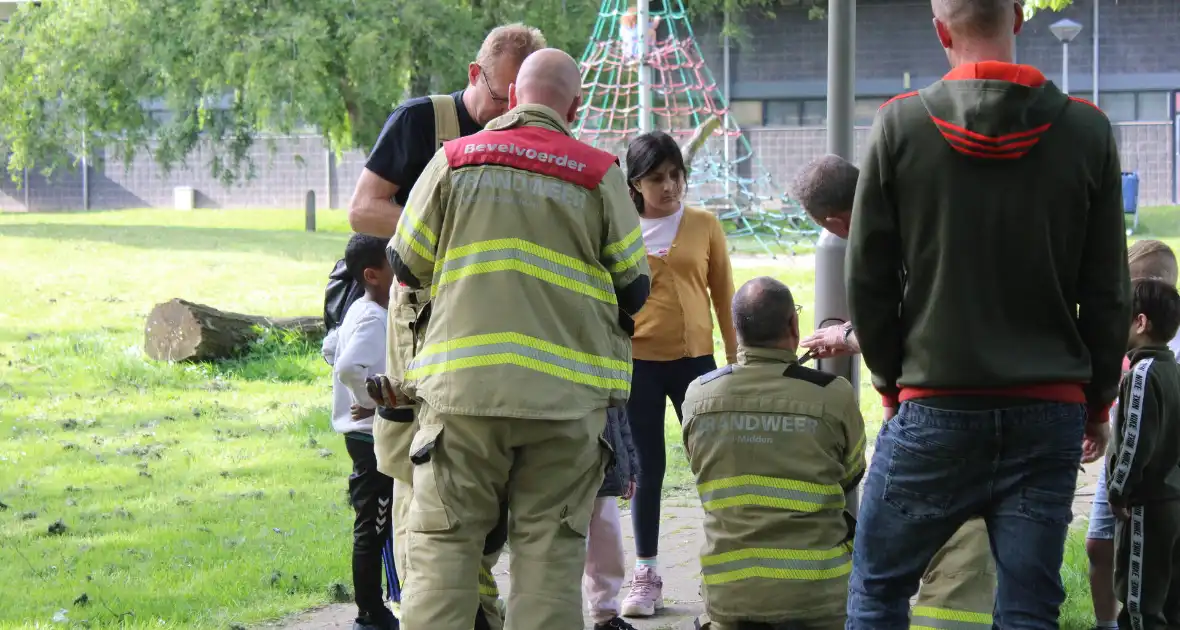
{"x": 775, "y": 448}
{"x": 959, "y": 586}
{"x": 412, "y": 135}
{"x": 394, "y": 429}
{"x": 532, "y": 252}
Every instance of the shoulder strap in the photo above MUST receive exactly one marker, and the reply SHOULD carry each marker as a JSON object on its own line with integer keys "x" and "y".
{"x": 815, "y": 377}
{"x": 446, "y": 119}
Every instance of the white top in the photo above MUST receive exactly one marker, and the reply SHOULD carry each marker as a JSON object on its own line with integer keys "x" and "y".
{"x": 658, "y": 234}
{"x": 359, "y": 353}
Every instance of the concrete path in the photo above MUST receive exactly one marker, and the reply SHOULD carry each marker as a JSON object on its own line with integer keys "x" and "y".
{"x": 680, "y": 544}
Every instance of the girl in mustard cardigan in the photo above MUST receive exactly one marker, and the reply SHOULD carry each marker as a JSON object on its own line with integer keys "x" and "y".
{"x": 673, "y": 342}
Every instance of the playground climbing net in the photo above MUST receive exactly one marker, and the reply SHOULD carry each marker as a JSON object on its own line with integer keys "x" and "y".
{"x": 726, "y": 176}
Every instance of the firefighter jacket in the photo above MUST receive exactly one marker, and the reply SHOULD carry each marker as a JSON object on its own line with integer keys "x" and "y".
{"x": 532, "y": 251}
{"x": 774, "y": 447}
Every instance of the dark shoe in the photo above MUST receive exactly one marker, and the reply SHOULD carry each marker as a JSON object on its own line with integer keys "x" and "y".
{"x": 614, "y": 624}
{"x": 382, "y": 619}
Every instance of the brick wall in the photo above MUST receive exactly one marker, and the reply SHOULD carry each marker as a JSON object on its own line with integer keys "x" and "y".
{"x": 1143, "y": 147}
{"x": 785, "y": 57}
{"x": 286, "y": 168}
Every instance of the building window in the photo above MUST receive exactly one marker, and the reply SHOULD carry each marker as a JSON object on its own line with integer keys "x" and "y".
{"x": 1152, "y": 106}
{"x": 746, "y": 113}
{"x": 1119, "y": 106}
{"x": 1134, "y": 106}
{"x": 782, "y": 113}
{"x": 815, "y": 113}
{"x": 865, "y": 110}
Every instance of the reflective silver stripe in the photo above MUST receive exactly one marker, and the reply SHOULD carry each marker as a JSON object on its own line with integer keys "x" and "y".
{"x": 623, "y": 254}
{"x": 1135, "y": 571}
{"x": 619, "y": 262}
{"x": 434, "y": 358}
{"x": 1133, "y": 422}
{"x": 526, "y": 257}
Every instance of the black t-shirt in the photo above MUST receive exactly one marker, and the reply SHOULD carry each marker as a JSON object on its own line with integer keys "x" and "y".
{"x": 406, "y": 144}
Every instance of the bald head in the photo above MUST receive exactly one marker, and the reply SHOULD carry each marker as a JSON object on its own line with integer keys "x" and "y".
{"x": 983, "y": 19}
{"x": 764, "y": 314}
{"x": 549, "y": 77}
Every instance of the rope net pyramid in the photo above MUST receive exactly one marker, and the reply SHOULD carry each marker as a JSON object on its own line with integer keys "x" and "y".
{"x": 726, "y": 176}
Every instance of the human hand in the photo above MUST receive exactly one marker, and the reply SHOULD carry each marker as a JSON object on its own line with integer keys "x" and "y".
{"x": 1094, "y": 441}
{"x": 890, "y": 412}
{"x": 1120, "y": 512}
{"x": 629, "y": 491}
{"x": 833, "y": 341}
{"x": 360, "y": 413}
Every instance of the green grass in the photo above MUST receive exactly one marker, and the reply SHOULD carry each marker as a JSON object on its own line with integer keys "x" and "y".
{"x": 196, "y": 496}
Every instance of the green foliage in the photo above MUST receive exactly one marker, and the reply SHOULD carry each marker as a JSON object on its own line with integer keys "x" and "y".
{"x": 123, "y": 76}
{"x": 1032, "y": 6}
{"x": 207, "y": 78}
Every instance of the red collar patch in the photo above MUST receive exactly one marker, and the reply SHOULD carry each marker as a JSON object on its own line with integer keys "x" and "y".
{"x": 533, "y": 149}
{"x": 998, "y": 71}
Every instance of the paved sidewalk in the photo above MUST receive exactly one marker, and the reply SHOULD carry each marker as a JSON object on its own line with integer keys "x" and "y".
{"x": 680, "y": 543}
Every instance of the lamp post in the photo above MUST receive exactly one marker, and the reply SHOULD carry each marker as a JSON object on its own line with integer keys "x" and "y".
{"x": 1065, "y": 30}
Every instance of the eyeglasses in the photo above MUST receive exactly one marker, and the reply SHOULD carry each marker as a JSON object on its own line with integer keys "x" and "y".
{"x": 495, "y": 97}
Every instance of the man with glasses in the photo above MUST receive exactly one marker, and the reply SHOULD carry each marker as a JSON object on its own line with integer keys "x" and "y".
{"x": 408, "y": 140}
{"x": 412, "y": 135}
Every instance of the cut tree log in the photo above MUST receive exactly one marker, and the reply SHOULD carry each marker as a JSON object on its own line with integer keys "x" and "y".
{"x": 180, "y": 330}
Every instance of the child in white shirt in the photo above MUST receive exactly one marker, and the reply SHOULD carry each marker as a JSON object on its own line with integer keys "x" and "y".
{"x": 356, "y": 353}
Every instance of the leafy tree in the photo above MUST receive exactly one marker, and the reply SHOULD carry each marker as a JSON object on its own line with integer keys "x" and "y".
{"x": 1032, "y": 6}
{"x": 118, "y": 77}
{"x": 167, "y": 77}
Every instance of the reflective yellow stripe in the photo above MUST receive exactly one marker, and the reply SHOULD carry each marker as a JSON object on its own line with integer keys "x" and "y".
{"x": 777, "y": 564}
{"x": 418, "y": 233}
{"x": 928, "y": 617}
{"x": 854, "y": 463}
{"x": 514, "y": 254}
{"x": 523, "y": 351}
{"x": 487, "y": 583}
{"x": 787, "y": 494}
{"x": 626, "y": 252}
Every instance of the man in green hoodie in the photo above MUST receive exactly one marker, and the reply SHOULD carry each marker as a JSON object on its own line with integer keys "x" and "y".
{"x": 988, "y": 285}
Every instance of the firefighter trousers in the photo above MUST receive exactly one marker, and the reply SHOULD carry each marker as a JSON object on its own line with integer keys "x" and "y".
{"x": 465, "y": 468}
{"x": 490, "y": 615}
{"x": 959, "y": 587}
{"x": 835, "y": 623}
{"x": 1147, "y": 567}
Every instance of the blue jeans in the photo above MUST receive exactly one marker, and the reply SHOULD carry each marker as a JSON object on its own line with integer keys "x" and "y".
{"x": 931, "y": 471}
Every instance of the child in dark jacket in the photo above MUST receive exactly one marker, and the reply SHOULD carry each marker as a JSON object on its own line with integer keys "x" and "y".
{"x": 1143, "y": 469}
{"x": 605, "y": 559}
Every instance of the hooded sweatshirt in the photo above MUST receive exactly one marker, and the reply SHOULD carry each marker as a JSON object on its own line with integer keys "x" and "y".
{"x": 987, "y": 254}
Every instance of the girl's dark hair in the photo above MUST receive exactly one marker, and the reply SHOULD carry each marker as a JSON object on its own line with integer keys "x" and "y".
{"x": 645, "y": 154}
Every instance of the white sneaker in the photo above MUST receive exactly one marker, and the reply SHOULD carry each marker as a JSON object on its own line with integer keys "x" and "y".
{"x": 647, "y": 593}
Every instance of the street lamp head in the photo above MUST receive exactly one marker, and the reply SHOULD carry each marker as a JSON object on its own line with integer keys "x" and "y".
{"x": 1065, "y": 30}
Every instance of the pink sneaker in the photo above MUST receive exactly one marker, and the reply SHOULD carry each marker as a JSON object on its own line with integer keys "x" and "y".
{"x": 647, "y": 594}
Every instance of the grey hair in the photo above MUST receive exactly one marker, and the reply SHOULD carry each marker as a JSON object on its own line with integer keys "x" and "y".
{"x": 826, "y": 186}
